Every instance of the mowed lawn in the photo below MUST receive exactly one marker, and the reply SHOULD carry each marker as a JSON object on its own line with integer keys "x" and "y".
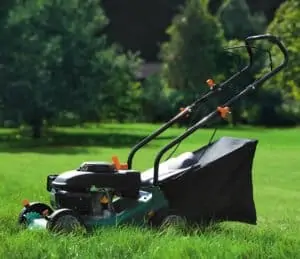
{"x": 276, "y": 172}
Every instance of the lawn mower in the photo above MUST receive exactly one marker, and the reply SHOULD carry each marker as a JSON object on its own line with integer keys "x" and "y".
{"x": 211, "y": 184}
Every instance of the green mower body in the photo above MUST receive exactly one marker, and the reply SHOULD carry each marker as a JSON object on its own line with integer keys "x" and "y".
{"x": 92, "y": 205}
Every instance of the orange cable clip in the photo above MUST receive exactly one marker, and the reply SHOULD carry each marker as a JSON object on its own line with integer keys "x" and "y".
{"x": 118, "y": 165}
{"x": 182, "y": 109}
{"x": 224, "y": 111}
{"x": 25, "y": 203}
{"x": 210, "y": 83}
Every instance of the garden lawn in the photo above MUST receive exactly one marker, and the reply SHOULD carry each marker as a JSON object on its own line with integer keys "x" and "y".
{"x": 24, "y": 166}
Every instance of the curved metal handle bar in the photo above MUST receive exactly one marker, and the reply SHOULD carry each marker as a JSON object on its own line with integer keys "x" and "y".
{"x": 218, "y": 88}
{"x": 214, "y": 113}
{"x": 275, "y": 40}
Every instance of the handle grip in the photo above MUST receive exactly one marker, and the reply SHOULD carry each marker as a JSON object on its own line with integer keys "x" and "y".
{"x": 271, "y": 38}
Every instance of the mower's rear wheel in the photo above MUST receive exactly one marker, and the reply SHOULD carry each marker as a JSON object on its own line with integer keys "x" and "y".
{"x": 158, "y": 217}
{"x": 173, "y": 221}
{"x": 65, "y": 221}
{"x": 36, "y": 207}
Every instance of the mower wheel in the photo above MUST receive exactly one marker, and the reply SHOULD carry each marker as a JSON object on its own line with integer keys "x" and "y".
{"x": 36, "y": 207}
{"x": 173, "y": 221}
{"x": 66, "y": 221}
{"x": 158, "y": 217}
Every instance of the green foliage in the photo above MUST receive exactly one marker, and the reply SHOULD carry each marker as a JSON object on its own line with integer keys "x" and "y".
{"x": 54, "y": 70}
{"x": 155, "y": 100}
{"x": 191, "y": 55}
{"x": 54, "y": 63}
{"x": 5, "y": 6}
{"x": 148, "y": 20}
{"x": 195, "y": 53}
{"x": 281, "y": 95}
{"x": 267, "y": 7}
{"x": 237, "y": 20}
{"x": 245, "y": 109}
{"x": 160, "y": 102}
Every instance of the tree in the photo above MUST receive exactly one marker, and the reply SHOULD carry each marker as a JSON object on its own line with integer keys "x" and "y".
{"x": 192, "y": 55}
{"x": 5, "y": 6}
{"x": 267, "y": 7}
{"x": 237, "y": 20}
{"x": 54, "y": 63}
{"x": 146, "y": 21}
{"x": 281, "y": 95}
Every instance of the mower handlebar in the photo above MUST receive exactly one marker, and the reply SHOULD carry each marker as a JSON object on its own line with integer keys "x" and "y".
{"x": 275, "y": 40}
{"x": 271, "y": 38}
{"x": 214, "y": 113}
{"x": 217, "y": 89}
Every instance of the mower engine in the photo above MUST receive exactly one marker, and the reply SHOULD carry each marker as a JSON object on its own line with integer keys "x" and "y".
{"x": 78, "y": 189}
{"x": 95, "y": 194}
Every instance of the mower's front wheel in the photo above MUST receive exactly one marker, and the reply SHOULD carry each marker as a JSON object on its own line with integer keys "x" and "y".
{"x": 65, "y": 221}
{"x": 34, "y": 207}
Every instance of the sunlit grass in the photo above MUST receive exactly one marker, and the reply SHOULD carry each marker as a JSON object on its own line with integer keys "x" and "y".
{"x": 276, "y": 174}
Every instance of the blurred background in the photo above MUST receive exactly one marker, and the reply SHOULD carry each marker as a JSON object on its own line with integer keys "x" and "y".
{"x": 68, "y": 63}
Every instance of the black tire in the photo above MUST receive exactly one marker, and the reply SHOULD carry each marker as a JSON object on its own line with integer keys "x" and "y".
{"x": 173, "y": 221}
{"x": 37, "y": 207}
{"x": 65, "y": 221}
{"x": 158, "y": 218}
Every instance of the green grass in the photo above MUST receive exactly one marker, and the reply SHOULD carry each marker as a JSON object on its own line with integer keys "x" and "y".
{"x": 24, "y": 166}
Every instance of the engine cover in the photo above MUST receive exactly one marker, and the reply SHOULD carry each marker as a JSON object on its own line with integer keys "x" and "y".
{"x": 97, "y": 167}
{"x": 79, "y": 202}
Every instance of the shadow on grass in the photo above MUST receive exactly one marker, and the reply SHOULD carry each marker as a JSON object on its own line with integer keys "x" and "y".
{"x": 239, "y": 128}
{"x": 69, "y": 142}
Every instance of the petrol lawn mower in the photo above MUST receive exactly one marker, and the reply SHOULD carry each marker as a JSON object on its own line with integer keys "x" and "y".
{"x": 211, "y": 184}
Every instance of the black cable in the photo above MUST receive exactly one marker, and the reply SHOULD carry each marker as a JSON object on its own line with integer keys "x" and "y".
{"x": 187, "y": 127}
{"x": 254, "y": 47}
{"x": 177, "y": 146}
{"x": 212, "y": 136}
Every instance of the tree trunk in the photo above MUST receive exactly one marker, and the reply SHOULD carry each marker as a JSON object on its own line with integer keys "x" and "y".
{"x": 36, "y": 129}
